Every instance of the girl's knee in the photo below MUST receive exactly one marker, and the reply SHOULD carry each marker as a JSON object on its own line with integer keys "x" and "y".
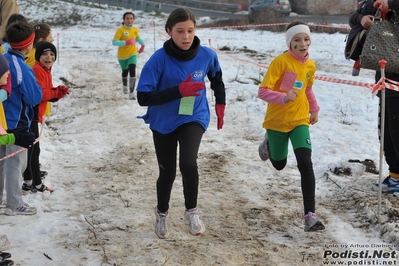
{"x": 279, "y": 165}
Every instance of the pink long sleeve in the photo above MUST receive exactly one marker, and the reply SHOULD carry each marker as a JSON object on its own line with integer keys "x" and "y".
{"x": 314, "y": 107}
{"x": 271, "y": 96}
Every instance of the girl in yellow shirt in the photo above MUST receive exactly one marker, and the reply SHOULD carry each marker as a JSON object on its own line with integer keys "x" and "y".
{"x": 291, "y": 108}
{"x": 126, "y": 38}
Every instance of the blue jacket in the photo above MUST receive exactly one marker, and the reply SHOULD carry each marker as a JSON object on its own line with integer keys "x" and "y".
{"x": 26, "y": 93}
{"x": 162, "y": 75}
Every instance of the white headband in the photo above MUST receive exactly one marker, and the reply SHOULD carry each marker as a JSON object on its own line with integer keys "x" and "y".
{"x": 291, "y": 32}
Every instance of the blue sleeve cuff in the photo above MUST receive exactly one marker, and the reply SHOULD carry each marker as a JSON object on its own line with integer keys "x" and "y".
{"x": 140, "y": 41}
{"x": 3, "y": 95}
{"x": 118, "y": 43}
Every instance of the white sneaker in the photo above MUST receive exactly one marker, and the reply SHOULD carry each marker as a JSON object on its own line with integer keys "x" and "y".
{"x": 312, "y": 223}
{"x": 161, "y": 224}
{"x": 4, "y": 243}
{"x": 23, "y": 210}
{"x": 125, "y": 89}
{"x": 131, "y": 96}
{"x": 195, "y": 225}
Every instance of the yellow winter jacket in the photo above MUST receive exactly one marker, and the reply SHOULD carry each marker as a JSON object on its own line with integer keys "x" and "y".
{"x": 285, "y": 117}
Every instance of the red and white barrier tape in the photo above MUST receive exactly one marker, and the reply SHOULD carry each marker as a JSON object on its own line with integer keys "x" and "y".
{"x": 382, "y": 85}
{"x": 322, "y": 78}
{"x": 22, "y": 149}
{"x": 343, "y": 81}
{"x": 271, "y": 25}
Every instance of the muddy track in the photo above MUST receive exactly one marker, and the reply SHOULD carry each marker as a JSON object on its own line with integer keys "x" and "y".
{"x": 252, "y": 218}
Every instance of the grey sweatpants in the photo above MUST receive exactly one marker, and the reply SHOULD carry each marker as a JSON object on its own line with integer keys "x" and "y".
{"x": 11, "y": 170}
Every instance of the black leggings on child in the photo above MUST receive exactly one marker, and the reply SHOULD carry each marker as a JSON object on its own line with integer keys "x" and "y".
{"x": 32, "y": 171}
{"x": 131, "y": 71}
{"x": 188, "y": 138}
{"x": 308, "y": 183}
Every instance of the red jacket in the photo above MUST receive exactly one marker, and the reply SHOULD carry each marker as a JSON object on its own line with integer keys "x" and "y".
{"x": 45, "y": 80}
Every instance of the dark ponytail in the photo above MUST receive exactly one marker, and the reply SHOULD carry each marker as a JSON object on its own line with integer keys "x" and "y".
{"x": 127, "y": 13}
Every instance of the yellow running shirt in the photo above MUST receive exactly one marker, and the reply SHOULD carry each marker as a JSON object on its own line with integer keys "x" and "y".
{"x": 285, "y": 117}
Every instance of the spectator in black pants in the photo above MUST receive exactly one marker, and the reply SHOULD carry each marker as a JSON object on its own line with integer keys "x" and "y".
{"x": 364, "y": 16}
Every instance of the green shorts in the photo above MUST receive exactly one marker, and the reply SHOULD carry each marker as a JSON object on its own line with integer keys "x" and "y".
{"x": 278, "y": 141}
{"x": 126, "y": 62}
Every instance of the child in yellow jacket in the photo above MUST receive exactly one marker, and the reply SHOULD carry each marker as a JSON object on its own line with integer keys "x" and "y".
{"x": 126, "y": 38}
{"x": 291, "y": 108}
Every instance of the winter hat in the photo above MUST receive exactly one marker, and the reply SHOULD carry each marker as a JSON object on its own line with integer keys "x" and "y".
{"x": 291, "y": 32}
{"x": 42, "y": 47}
{"x": 3, "y": 65}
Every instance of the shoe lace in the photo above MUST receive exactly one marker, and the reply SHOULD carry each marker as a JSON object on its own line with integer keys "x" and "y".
{"x": 162, "y": 220}
{"x": 194, "y": 218}
{"x": 310, "y": 215}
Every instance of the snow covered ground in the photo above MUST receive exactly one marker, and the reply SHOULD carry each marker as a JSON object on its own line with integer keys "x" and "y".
{"x": 102, "y": 165}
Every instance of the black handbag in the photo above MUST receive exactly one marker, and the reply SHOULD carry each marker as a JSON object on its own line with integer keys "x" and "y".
{"x": 382, "y": 42}
{"x": 354, "y": 42}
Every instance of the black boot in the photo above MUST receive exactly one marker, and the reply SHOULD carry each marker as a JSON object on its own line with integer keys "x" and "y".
{"x": 4, "y": 256}
{"x": 7, "y": 263}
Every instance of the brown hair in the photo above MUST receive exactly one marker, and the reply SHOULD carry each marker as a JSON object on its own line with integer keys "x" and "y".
{"x": 42, "y": 30}
{"x": 14, "y": 18}
{"x": 179, "y": 15}
{"x": 125, "y": 14}
{"x": 18, "y": 32}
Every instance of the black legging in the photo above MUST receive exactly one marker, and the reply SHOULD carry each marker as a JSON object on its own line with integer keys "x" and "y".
{"x": 391, "y": 133}
{"x": 188, "y": 137}
{"x": 32, "y": 171}
{"x": 308, "y": 183}
{"x": 131, "y": 70}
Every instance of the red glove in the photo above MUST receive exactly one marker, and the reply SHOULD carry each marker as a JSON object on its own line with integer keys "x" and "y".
{"x": 62, "y": 88}
{"x": 141, "y": 49}
{"x": 219, "y": 108}
{"x": 188, "y": 88}
{"x": 60, "y": 94}
{"x": 130, "y": 42}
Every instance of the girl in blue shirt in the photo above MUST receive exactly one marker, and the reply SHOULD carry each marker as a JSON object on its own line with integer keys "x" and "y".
{"x": 172, "y": 85}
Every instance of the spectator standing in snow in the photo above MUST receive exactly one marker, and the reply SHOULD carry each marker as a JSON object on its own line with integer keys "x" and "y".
{"x": 42, "y": 33}
{"x": 18, "y": 107}
{"x": 292, "y": 106}
{"x": 364, "y": 16}
{"x": 23, "y": 139}
{"x": 172, "y": 85}
{"x": 45, "y": 56}
{"x": 126, "y": 38}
